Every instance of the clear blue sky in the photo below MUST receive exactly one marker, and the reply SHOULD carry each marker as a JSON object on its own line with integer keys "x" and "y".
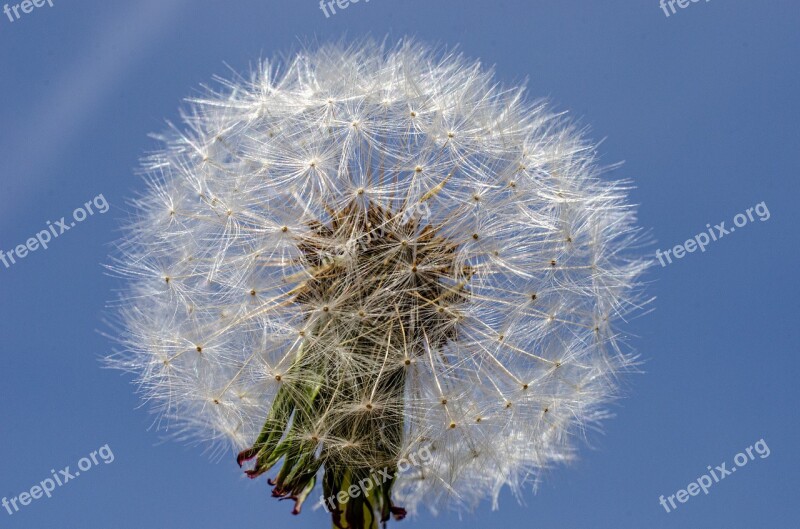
{"x": 702, "y": 106}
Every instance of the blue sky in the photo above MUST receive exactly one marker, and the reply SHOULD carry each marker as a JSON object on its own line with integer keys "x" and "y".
{"x": 702, "y": 106}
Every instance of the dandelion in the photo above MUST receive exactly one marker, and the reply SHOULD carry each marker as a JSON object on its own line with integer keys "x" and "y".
{"x": 374, "y": 251}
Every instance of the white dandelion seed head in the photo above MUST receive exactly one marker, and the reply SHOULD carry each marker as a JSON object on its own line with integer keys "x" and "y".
{"x": 381, "y": 210}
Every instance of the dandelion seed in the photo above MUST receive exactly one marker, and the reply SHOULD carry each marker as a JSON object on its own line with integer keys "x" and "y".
{"x": 414, "y": 243}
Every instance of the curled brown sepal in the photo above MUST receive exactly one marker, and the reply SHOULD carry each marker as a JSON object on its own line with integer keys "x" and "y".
{"x": 299, "y": 498}
{"x": 398, "y": 513}
{"x": 254, "y": 473}
{"x": 246, "y": 455}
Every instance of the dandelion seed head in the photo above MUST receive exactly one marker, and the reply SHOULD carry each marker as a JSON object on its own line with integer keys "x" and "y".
{"x": 365, "y": 214}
